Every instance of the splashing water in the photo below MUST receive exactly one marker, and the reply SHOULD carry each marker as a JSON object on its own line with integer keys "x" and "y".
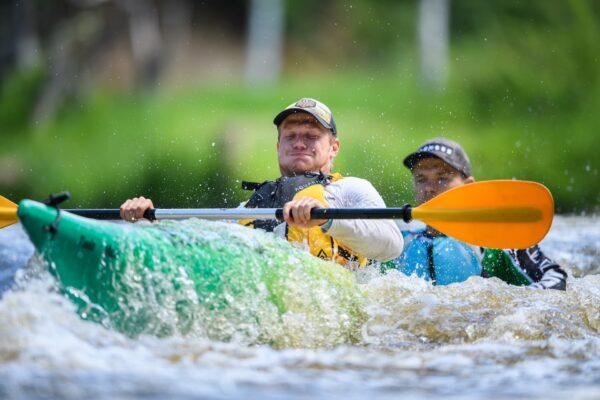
{"x": 202, "y": 279}
{"x": 401, "y": 336}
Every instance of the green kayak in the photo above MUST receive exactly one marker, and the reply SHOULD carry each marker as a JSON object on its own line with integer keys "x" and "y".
{"x": 211, "y": 279}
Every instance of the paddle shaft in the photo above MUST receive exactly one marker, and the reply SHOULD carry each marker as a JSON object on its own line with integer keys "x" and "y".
{"x": 403, "y": 213}
{"x": 496, "y": 214}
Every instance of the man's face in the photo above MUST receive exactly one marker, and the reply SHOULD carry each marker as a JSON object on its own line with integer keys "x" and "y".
{"x": 304, "y": 145}
{"x": 432, "y": 176}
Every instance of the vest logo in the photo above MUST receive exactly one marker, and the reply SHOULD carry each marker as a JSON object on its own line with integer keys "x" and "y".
{"x": 309, "y": 184}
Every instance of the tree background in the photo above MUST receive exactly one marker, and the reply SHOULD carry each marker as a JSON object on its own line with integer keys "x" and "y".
{"x": 174, "y": 99}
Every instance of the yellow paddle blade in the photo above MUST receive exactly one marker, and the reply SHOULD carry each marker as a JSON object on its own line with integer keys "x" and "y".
{"x": 8, "y": 212}
{"x": 500, "y": 214}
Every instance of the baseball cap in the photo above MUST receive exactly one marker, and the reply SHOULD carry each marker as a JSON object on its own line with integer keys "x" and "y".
{"x": 314, "y": 107}
{"x": 446, "y": 150}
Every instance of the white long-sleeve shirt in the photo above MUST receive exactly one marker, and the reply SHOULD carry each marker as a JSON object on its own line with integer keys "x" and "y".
{"x": 376, "y": 239}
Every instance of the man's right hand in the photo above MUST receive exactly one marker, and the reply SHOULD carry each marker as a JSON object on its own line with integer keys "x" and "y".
{"x": 133, "y": 209}
{"x": 297, "y": 212}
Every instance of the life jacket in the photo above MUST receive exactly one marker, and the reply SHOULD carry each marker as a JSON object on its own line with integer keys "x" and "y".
{"x": 505, "y": 265}
{"x": 274, "y": 194}
{"x": 439, "y": 259}
{"x": 523, "y": 267}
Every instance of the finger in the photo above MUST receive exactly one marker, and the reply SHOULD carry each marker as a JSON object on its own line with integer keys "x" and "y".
{"x": 130, "y": 209}
{"x": 286, "y": 212}
{"x": 125, "y": 203}
{"x": 127, "y": 210}
{"x": 138, "y": 213}
{"x": 141, "y": 206}
{"x": 310, "y": 204}
{"x": 307, "y": 211}
{"x": 136, "y": 208}
{"x": 132, "y": 212}
{"x": 123, "y": 209}
{"x": 314, "y": 204}
{"x": 300, "y": 215}
{"x": 147, "y": 204}
{"x": 296, "y": 214}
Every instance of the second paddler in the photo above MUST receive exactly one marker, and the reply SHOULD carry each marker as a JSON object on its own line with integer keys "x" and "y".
{"x": 307, "y": 144}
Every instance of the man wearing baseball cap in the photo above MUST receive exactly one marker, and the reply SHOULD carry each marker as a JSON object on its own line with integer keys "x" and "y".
{"x": 307, "y": 144}
{"x": 439, "y": 165}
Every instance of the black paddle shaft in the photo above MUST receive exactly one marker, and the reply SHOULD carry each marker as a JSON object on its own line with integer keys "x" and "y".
{"x": 107, "y": 213}
{"x": 404, "y": 213}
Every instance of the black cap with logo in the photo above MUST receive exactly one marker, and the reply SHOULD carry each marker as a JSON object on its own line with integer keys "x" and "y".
{"x": 315, "y": 108}
{"x": 446, "y": 150}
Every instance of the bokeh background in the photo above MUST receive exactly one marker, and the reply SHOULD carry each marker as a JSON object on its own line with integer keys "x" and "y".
{"x": 175, "y": 99}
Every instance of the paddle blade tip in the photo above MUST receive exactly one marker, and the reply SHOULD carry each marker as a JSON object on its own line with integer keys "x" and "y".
{"x": 8, "y": 216}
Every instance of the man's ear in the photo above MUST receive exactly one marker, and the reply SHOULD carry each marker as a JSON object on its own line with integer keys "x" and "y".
{"x": 335, "y": 146}
{"x": 470, "y": 179}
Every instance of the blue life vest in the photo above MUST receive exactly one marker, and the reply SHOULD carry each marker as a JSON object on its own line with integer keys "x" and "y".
{"x": 440, "y": 259}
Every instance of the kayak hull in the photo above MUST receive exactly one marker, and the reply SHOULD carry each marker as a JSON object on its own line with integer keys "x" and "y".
{"x": 217, "y": 280}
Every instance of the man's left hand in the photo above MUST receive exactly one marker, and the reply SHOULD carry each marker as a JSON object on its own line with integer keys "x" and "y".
{"x": 297, "y": 212}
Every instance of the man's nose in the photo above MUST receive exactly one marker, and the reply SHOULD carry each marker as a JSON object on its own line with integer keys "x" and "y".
{"x": 429, "y": 188}
{"x": 299, "y": 142}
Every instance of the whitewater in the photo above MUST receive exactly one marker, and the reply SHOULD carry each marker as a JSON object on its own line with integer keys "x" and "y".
{"x": 477, "y": 339}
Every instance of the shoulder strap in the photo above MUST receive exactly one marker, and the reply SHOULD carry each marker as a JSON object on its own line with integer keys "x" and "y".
{"x": 274, "y": 194}
{"x": 431, "y": 262}
{"x": 263, "y": 196}
{"x": 251, "y": 185}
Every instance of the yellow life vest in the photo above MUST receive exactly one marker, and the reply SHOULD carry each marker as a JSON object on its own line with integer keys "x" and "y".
{"x": 319, "y": 243}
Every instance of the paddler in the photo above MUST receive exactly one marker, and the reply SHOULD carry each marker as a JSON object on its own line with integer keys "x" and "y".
{"x": 439, "y": 165}
{"x": 307, "y": 144}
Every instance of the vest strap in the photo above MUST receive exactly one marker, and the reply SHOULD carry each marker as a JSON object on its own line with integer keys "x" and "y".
{"x": 251, "y": 185}
{"x": 430, "y": 262}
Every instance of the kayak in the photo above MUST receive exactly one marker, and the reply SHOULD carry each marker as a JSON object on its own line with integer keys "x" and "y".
{"x": 211, "y": 279}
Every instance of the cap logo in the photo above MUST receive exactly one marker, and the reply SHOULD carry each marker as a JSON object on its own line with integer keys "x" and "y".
{"x": 306, "y": 103}
{"x": 437, "y": 147}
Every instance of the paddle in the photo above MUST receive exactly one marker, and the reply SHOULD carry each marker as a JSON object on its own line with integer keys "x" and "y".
{"x": 495, "y": 214}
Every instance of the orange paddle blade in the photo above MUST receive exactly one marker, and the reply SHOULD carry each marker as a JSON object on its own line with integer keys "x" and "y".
{"x": 8, "y": 212}
{"x": 501, "y": 214}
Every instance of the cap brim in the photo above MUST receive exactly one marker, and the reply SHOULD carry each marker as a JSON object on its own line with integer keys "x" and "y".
{"x": 412, "y": 159}
{"x": 289, "y": 111}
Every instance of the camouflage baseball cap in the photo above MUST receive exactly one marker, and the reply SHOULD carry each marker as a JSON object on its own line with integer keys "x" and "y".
{"x": 446, "y": 150}
{"x": 314, "y": 107}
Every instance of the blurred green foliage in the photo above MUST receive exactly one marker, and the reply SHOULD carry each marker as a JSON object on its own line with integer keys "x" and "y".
{"x": 17, "y": 98}
{"x": 523, "y": 99}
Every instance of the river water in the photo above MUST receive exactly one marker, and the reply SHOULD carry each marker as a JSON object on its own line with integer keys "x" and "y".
{"x": 478, "y": 339}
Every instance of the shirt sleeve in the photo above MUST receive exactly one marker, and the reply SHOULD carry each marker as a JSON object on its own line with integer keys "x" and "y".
{"x": 379, "y": 240}
{"x": 544, "y": 273}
